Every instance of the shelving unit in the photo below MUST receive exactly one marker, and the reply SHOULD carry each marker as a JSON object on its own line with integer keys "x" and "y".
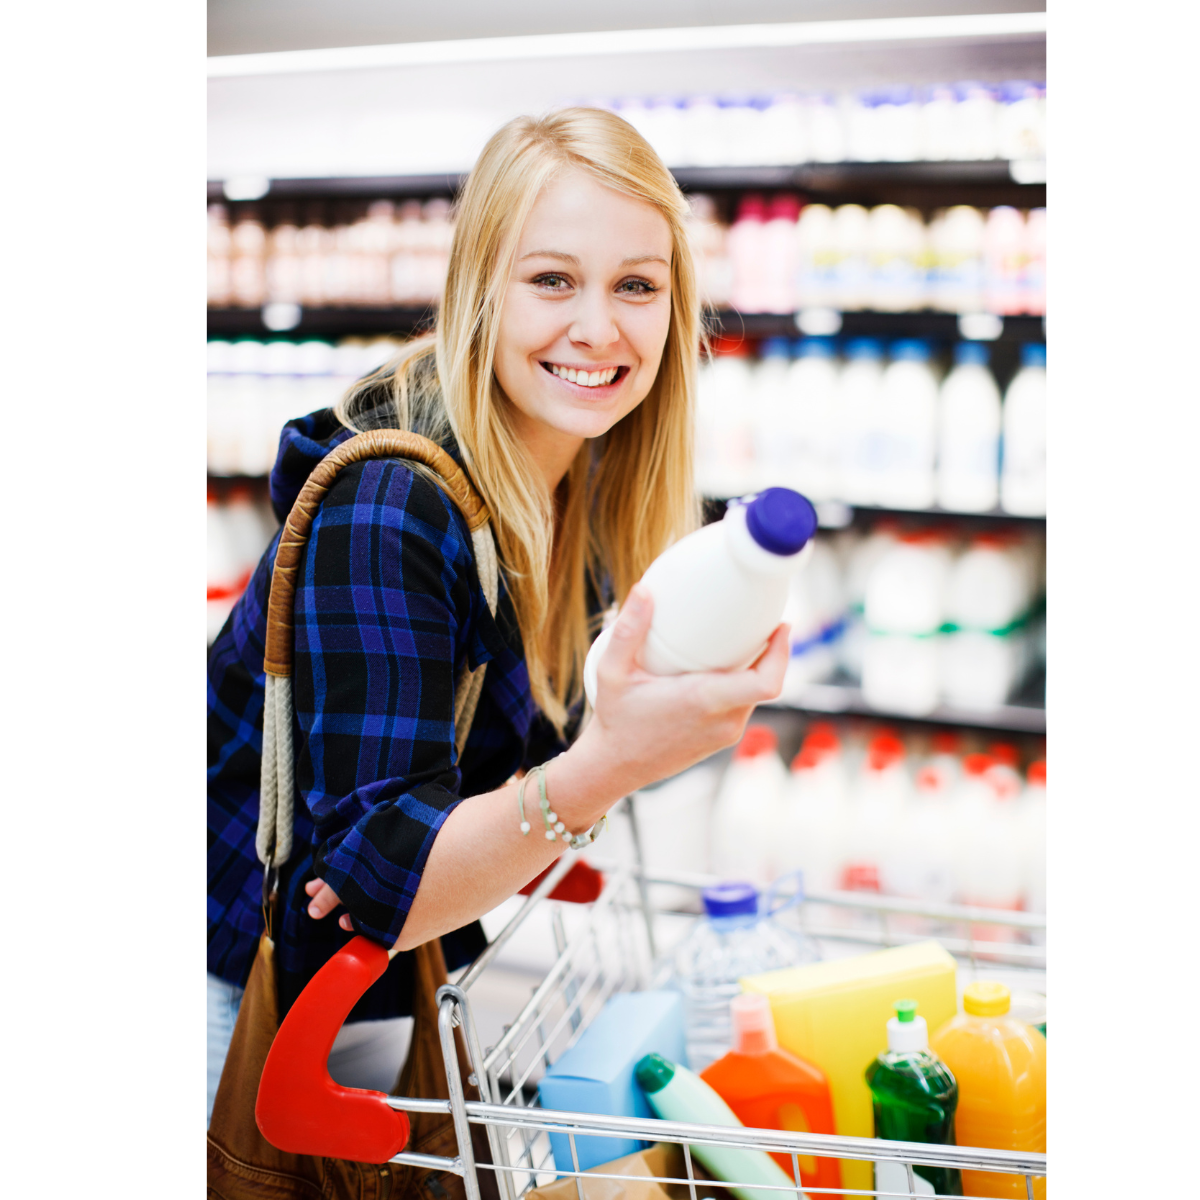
{"x": 365, "y": 322}
{"x": 1027, "y": 714}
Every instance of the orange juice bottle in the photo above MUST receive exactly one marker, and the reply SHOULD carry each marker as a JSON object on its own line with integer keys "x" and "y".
{"x": 1000, "y": 1065}
{"x": 770, "y": 1088}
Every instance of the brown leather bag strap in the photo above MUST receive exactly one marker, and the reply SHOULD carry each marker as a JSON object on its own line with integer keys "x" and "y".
{"x": 377, "y": 443}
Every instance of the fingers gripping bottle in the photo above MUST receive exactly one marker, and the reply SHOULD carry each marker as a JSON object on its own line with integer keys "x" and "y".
{"x": 721, "y": 591}
{"x": 914, "y": 1096}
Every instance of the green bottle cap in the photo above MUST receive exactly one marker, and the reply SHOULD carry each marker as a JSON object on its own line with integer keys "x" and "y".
{"x": 905, "y": 1010}
{"x": 654, "y": 1072}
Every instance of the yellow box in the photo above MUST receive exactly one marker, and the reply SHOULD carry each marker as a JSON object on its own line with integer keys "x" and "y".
{"x": 835, "y": 1015}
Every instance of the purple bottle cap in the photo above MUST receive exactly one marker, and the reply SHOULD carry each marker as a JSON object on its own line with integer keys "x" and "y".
{"x": 730, "y": 899}
{"x": 781, "y": 521}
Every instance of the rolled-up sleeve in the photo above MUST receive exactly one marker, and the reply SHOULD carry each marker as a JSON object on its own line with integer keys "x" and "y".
{"x": 383, "y": 608}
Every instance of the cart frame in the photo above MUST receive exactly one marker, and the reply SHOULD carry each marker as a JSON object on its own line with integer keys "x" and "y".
{"x": 613, "y": 949}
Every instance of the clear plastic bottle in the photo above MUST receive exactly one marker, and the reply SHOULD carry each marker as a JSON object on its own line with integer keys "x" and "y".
{"x": 969, "y": 419}
{"x": 1023, "y": 481}
{"x": 914, "y": 1096}
{"x": 736, "y": 937}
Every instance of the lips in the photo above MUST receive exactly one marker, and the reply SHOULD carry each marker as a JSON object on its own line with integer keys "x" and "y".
{"x": 582, "y": 377}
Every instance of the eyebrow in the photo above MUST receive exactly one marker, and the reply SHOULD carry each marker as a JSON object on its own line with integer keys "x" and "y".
{"x": 571, "y": 258}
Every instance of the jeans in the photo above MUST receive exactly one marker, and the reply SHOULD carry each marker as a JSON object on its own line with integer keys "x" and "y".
{"x": 366, "y": 1054}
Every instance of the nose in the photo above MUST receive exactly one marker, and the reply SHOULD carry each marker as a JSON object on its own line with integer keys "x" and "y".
{"x": 593, "y": 324}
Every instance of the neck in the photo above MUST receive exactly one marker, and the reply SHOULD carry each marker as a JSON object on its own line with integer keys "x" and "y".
{"x": 552, "y": 451}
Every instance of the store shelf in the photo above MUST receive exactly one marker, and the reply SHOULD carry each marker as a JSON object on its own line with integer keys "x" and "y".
{"x": 1026, "y": 715}
{"x": 366, "y": 322}
{"x": 805, "y": 177}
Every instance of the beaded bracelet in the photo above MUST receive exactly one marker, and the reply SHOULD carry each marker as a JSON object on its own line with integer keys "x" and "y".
{"x": 554, "y": 827}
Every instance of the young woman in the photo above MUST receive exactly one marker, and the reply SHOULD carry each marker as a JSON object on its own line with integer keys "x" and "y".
{"x": 561, "y": 377}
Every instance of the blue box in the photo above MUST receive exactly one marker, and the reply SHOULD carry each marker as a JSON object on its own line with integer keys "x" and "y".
{"x": 596, "y": 1074}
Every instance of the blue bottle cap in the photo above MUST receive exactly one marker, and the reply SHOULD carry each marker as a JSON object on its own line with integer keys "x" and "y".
{"x": 780, "y": 520}
{"x": 1033, "y": 354}
{"x": 974, "y": 354}
{"x": 776, "y": 347}
{"x": 911, "y": 350}
{"x": 814, "y": 347}
{"x": 730, "y": 900}
{"x": 864, "y": 348}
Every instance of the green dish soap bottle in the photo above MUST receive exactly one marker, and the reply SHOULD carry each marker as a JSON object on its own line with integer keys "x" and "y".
{"x": 914, "y": 1097}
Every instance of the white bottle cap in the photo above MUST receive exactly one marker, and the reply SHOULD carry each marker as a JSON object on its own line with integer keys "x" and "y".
{"x": 907, "y": 1033}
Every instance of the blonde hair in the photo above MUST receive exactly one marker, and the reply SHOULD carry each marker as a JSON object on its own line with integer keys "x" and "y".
{"x": 630, "y": 493}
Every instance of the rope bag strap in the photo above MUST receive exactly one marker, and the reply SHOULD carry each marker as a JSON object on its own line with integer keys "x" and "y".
{"x": 274, "y": 839}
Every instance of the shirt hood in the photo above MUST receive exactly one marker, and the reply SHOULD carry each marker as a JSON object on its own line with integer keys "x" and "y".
{"x": 302, "y": 444}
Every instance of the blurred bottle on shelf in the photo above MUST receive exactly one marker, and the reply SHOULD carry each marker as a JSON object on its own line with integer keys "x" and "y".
{"x": 904, "y": 474}
{"x": 813, "y": 384}
{"x": 989, "y": 861}
{"x": 896, "y": 254}
{"x": 816, "y": 614}
{"x": 1023, "y": 481}
{"x": 860, "y": 387}
{"x": 878, "y": 800}
{"x": 1005, "y": 246}
{"x": 816, "y": 258}
{"x": 975, "y": 126}
{"x": 1032, "y": 815}
{"x": 748, "y": 252}
{"x": 220, "y": 249}
{"x": 903, "y": 609}
{"x": 780, "y": 250}
{"x": 725, "y": 420}
{"x": 1021, "y": 120}
{"x": 851, "y": 248}
{"x": 813, "y": 837}
{"x": 748, "y": 807}
{"x": 969, "y": 420}
{"x": 956, "y": 242}
{"x": 247, "y": 266}
{"x": 776, "y": 416}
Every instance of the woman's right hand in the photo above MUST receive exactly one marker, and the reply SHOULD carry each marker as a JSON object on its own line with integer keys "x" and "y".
{"x": 646, "y": 727}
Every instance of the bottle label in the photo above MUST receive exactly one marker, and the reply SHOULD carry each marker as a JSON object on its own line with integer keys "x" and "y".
{"x": 893, "y": 1177}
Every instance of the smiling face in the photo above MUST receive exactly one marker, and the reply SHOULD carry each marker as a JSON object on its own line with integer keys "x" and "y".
{"x": 585, "y": 315}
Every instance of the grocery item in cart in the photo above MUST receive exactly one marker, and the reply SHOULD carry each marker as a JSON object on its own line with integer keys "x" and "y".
{"x": 834, "y": 1015}
{"x": 913, "y": 1096}
{"x": 1000, "y": 1065}
{"x": 770, "y": 1088}
{"x": 721, "y": 591}
{"x": 737, "y": 936}
{"x": 676, "y": 1094}
{"x": 749, "y": 808}
{"x": 597, "y": 1074}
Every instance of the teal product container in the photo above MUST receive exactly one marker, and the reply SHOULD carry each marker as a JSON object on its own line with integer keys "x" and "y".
{"x": 676, "y": 1094}
{"x": 596, "y": 1074}
{"x": 914, "y": 1096}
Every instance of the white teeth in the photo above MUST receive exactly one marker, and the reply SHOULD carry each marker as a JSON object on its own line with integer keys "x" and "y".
{"x": 585, "y": 378}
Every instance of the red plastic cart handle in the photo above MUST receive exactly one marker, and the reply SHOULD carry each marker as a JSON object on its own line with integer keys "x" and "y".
{"x": 300, "y": 1108}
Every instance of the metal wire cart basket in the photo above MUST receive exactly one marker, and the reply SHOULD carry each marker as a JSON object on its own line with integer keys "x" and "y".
{"x": 610, "y": 946}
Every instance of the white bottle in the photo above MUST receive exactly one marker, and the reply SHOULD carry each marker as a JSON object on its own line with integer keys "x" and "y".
{"x": 785, "y": 131}
{"x": 984, "y": 657}
{"x": 860, "y": 385}
{"x": 826, "y": 131}
{"x": 1004, "y": 245}
{"x": 968, "y": 433}
{"x": 816, "y": 258}
{"x": 812, "y": 828}
{"x": 861, "y": 555}
{"x": 776, "y": 430}
{"x": 747, "y": 250}
{"x": 920, "y": 865}
{"x": 935, "y": 123}
{"x": 956, "y": 242}
{"x": 780, "y": 254}
{"x": 990, "y": 871}
{"x": 814, "y": 613}
{"x": 1034, "y": 280}
{"x": 1033, "y": 836}
{"x": 898, "y": 118}
{"x": 897, "y": 258}
{"x": 1020, "y": 126}
{"x": 1023, "y": 482}
{"x": 813, "y": 384}
{"x": 903, "y": 610}
{"x": 724, "y": 420}
{"x": 877, "y": 803}
{"x": 908, "y": 428}
{"x": 975, "y": 121}
{"x": 748, "y": 808}
{"x": 851, "y": 238}
{"x": 720, "y": 592}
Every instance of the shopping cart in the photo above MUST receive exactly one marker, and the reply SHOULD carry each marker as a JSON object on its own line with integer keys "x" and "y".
{"x": 610, "y": 946}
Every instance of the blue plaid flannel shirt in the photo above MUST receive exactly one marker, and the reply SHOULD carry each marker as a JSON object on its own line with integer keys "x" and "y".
{"x": 388, "y": 607}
